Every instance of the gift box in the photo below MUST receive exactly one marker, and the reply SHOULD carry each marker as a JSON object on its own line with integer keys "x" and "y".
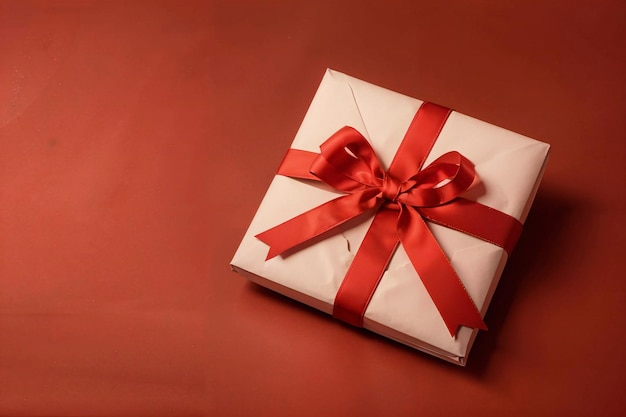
{"x": 393, "y": 214}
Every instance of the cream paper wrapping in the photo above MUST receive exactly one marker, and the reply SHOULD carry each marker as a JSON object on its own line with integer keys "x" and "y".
{"x": 508, "y": 164}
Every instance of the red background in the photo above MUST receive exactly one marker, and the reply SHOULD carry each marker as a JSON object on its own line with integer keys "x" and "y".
{"x": 137, "y": 139}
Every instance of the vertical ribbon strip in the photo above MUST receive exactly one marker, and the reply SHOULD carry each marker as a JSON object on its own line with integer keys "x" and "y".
{"x": 403, "y": 197}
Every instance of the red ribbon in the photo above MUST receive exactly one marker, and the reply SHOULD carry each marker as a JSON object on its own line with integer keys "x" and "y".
{"x": 403, "y": 197}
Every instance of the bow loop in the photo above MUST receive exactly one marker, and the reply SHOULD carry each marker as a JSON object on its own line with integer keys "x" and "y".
{"x": 442, "y": 181}
{"x": 348, "y": 162}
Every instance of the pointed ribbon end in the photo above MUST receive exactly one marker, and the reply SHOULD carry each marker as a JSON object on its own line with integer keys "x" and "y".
{"x": 273, "y": 252}
{"x": 476, "y": 324}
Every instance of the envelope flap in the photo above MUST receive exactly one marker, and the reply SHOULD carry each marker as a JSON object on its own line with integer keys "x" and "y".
{"x": 385, "y": 114}
{"x": 381, "y": 115}
{"x": 332, "y": 108}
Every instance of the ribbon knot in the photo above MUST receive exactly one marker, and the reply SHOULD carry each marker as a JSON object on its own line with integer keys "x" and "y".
{"x": 391, "y": 188}
{"x": 402, "y": 198}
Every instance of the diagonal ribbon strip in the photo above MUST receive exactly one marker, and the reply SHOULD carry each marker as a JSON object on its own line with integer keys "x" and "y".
{"x": 402, "y": 197}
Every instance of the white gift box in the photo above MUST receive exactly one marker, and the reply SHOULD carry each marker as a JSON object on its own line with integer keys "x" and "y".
{"x": 508, "y": 164}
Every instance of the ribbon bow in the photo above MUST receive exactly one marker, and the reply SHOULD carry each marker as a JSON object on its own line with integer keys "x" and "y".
{"x": 402, "y": 198}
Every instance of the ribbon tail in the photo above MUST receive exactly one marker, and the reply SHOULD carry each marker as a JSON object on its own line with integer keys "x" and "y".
{"x": 477, "y": 220}
{"x": 316, "y": 221}
{"x": 366, "y": 269}
{"x": 441, "y": 281}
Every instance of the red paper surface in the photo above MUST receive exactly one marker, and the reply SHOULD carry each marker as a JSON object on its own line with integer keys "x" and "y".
{"x": 137, "y": 139}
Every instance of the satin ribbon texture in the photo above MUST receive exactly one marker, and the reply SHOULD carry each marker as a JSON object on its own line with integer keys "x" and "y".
{"x": 401, "y": 199}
